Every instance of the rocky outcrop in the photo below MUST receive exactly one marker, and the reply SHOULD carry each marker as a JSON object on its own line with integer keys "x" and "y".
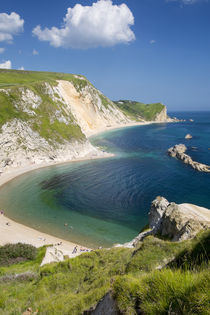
{"x": 178, "y": 151}
{"x": 162, "y": 116}
{"x": 188, "y": 136}
{"x": 21, "y": 146}
{"x": 177, "y": 222}
{"x": 106, "y": 306}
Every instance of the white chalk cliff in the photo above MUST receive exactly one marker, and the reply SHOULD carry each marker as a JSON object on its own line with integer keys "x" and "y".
{"x": 51, "y": 122}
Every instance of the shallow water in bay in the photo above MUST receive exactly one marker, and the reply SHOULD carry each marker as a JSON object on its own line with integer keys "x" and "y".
{"x": 106, "y": 201}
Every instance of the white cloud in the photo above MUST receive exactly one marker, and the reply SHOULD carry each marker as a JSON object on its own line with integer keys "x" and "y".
{"x": 21, "y": 68}
{"x": 10, "y": 25}
{"x": 2, "y": 50}
{"x": 6, "y": 65}
{"x": 102, "y": 24}
{"x": 152, "y": 41}
{"x": 35, "y": 52}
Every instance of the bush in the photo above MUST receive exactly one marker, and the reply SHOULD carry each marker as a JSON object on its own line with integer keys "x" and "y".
{"x": 15, "y": 253}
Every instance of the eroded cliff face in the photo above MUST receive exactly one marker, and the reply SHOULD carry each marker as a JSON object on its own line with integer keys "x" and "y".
{"x": 91, "y": 109}
{"x": 50, "y": 121}
{"x": 162, "y": 116}
{"x": 21, "y": 146}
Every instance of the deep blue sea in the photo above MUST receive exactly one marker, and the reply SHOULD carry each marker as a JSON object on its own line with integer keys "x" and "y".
{"x": 106, "y": 201}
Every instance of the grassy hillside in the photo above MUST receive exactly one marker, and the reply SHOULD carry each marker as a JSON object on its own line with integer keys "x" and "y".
{"x": 10, "y": 78}
{"x": 152, "y": 279}
{"x": 15, "y": 83}
{"x": 44, "y": 121}
{"x": 140, "y": 110}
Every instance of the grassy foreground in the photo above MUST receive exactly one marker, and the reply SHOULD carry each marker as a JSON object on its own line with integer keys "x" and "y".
{"x": 158, "y": 277}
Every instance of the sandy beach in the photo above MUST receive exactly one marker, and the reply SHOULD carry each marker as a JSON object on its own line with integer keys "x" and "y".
{"x": 13, "y": 232}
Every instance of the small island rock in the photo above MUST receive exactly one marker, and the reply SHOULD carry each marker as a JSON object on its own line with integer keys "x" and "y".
{"x": 188, "y": 136}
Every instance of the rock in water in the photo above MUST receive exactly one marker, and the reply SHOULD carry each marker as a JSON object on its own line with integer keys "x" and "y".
{"x": 178, "y": 222}
{"x": 178, "y": 151}
{"x": 188, "y": 136}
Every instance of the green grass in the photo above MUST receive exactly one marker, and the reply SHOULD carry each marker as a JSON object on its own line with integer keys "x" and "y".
{"x": 164, "y": 292}
{"x": 24, "y": 266}
{"x": 140, "y": 111}
{"x": 10, "y": 78}
{"x": 75, "y": 285}
{"x": 45, "y": 121}
{"x": 65, "y": 288}
{"x": 8, "y": 110}
{"x": 12, "y": 253}
{"x": 105, "y": 101}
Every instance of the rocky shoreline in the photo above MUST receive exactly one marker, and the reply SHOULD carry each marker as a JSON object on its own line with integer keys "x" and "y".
{"x": 178, "y": 151}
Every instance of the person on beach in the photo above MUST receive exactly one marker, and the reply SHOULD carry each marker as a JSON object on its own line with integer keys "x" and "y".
{"x": 74, "y": 250}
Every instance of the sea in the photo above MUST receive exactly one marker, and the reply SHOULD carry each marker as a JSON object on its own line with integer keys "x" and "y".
{"x": 106, "y": 201}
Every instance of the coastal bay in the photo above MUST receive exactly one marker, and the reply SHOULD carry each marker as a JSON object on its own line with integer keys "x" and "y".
{"x": 127, "y": 182}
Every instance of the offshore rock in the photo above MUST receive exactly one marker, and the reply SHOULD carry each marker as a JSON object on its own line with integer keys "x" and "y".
{"x": 188, "y": 136}
{"x": 178, "y": 151}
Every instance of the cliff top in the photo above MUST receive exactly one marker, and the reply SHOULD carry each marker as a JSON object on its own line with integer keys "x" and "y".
{"x": 9, "y": 78}
{"x": 140, "y": 110}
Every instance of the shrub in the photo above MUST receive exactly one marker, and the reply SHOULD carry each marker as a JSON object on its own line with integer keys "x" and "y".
{"x": 15, "y": 253}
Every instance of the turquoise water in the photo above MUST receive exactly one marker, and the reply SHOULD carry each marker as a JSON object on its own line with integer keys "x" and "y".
{"x": 106, "y": 201}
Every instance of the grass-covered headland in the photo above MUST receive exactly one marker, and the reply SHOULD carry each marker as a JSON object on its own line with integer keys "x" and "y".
{"x": 139, "y": 110}
{"x": 158, "y": 277}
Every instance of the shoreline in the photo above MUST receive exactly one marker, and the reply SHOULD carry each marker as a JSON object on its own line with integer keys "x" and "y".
{"x": 135, "y": 124}
{"x": 17, "y": 232}
{"x": 13, "y": 232}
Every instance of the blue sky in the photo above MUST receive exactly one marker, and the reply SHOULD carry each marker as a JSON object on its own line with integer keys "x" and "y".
{"x": 145, "y": 50}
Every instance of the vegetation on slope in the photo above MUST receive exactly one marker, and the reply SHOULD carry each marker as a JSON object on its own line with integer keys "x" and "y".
{"x": 10, "y": 78}
{"x": 44, "y": 121}
{"x": 13, "y": 253}
{"x": 142, "y": 281}
{"x": 140, "y": 110}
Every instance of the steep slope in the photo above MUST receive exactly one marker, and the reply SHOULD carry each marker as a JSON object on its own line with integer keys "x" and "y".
{"x": 90, "y": 108}
{"x": 47, "y": 117}
{"x": 157, "y": 277}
